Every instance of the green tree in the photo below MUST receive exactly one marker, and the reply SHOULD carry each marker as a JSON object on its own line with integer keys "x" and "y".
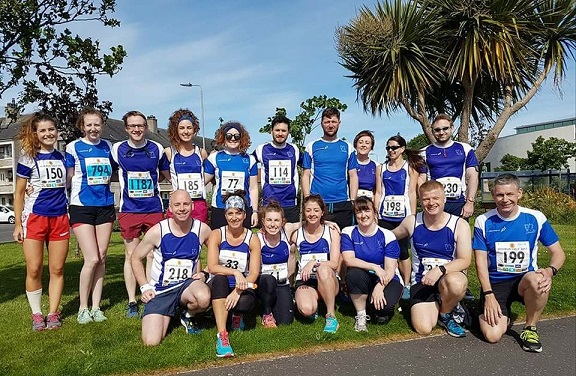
{"x": 307, "y": 120}
{"x": 56, "y": 68}
{"x": 418, "y": 142}
{"x": 511, "y": 162}
{"x": 479, "y": 60}
{"x": 552, "y": 153}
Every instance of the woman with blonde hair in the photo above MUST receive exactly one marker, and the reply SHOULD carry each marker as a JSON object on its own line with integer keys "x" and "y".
{"x": 92, "y": 212}
{"x": 41, "y": 216}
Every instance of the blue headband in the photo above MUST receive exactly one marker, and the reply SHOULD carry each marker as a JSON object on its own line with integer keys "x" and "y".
{"x": 229, "y": 126}
{"x": 186, "y": 117}
{"x": 235, "y": 202}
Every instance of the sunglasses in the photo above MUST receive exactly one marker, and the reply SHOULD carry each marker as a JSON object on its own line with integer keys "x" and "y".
{"x": 438, "y": 130}
{"x": 395, "y": 147}
{"x": 233, "y": 136}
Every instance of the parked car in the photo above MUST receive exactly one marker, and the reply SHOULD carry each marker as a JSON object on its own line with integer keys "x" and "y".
{"x": 7, "y": 214}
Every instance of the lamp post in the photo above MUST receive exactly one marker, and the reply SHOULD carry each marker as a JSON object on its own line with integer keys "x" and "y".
{"x": 202, "y": 109}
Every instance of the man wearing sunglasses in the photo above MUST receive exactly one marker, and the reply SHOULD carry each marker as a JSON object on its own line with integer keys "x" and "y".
{"x": 453, "y": 164}
{"x": 279, "y": 161}
{"x": 141, "y": 161}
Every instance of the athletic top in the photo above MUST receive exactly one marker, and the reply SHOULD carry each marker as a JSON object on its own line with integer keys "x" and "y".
{"x": 329, "y": 163}
{"x": 234, "y": 257}
{"x": 232, "y": 173}
{"x": 395, "y": 202}
{"x": 138, "y": 174}
{"x": 280, "y": 178}
{"x": 307, "y": 251}
{"x": 47, "y": 175}
{"x": 187, "y": 173}
{"x": 93, "y": 166}
{"x": 372, "y": 248}
{"x": 431, "y": 248}
{"x": 448, "y": 166}
{"x": 512, "y": 243}
{"x": 366, "y": 178}
{"x": 176, "y": 258}
{"x": 275, "y": 259}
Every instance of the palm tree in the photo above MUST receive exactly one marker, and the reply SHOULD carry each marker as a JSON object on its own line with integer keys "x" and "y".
{"x": 479, "y": 60}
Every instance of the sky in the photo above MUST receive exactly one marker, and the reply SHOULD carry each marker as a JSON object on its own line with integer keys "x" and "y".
{"x": 252, "y": 56}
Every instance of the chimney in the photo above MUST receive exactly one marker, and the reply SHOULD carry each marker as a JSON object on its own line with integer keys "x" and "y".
{"x": 11, "y": 110}
{"x": 152, "y": 124}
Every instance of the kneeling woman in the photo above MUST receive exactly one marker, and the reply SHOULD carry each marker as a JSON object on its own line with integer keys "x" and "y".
{"x": 234, "y": 260}
{"x": 370, "y": 252}
{"x": 318, "y": 258}
{"x": 278, "y": 264}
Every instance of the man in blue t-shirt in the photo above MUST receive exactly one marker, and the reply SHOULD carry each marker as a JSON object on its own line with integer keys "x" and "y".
{"x": 453, "y": 164}
{"x": 329, "y": 169}
{"x": 506, "y": 250}
{"x": 279, "y": 161}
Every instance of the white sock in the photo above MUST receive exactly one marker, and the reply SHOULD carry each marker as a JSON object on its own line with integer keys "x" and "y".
{"x": 35, "y": 300}
{"x": 361, "y": 313}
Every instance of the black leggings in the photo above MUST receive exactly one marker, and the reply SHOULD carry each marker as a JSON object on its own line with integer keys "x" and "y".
{"x": 220, "y": 289}
{"x": 404, "y": 243}
{"x": 362, "y": 282}
{"x": 276, "y": 298}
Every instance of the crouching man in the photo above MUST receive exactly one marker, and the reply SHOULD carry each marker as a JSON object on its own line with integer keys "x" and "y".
{"x": 176, "y": 278}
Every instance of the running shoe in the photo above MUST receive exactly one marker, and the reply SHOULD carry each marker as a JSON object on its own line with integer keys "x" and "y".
{"x": 53, "y": 321}
{"x": 331, "y": 325}
{"x": 360, "y": 323}
{"x": 447, "y": 322}
{"x": 268, "y": 321}
{"x": 189, "y": 323}
{"x": 84, "y": 316}
{"x": 530, "y": 339}
{"x": 223, "y": 348}
{"x": 384, "y": 319}
{"x": 38, "y": 323}
{"x": 406, "y": 293}
{"x": 238, "y": 322}
{"x": 98, "y": 315}
{"x": 132, "y": 309}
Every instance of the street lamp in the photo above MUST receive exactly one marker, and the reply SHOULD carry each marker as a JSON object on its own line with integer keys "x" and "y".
{"x": 202, "y": 109}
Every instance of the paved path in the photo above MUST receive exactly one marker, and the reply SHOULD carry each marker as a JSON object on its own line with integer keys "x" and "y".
{"x": 6, "y": 231}
{"x": 439, "y": 355}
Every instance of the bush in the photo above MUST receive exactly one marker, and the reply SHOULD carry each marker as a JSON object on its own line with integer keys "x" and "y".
{"x": 558, "y": 207}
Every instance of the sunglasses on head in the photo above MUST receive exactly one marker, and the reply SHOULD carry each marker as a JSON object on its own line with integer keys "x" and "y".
{"x": 233, "y": 136}
{"x": 438, "y": 130}
{"x": 395, "y": 147}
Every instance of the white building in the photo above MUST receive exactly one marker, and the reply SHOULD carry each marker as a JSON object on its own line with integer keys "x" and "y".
{"x": 518, "y": 144}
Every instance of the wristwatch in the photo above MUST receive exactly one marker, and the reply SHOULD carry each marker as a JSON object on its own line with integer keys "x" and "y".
{"x": 442, "y": 269}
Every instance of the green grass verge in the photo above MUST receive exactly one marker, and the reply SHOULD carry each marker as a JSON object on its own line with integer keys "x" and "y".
{"x": 114, "y": 347}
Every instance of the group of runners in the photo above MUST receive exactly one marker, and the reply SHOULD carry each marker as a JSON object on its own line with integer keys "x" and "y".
{"x": 297, "y": 257}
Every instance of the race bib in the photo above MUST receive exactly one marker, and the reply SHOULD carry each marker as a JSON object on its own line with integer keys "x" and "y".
{"x": 452, "y": 187}
{"x": 52, "y": 174}
{"x": 192, "y": 183}
{"x": 98, "y": 171}
{"x": 177, "y": 270}
{"x": 140, "y": 184}
{"x": 306, "y": 258}
{"x": 430, "y": 263}
{"x": 279, "y": 271}
{"x": 512, "y": 257}
{"x": 233, "y": 259}
{"x": 232, "y": 181}
{"x": 393, "y": 206}
{"x": 279, "y": 172}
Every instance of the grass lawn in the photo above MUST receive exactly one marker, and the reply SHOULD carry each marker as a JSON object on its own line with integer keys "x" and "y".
{"x": 114, "y": 347}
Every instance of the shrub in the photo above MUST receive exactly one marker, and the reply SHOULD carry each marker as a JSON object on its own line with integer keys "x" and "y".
{"x": 558, "y": 207}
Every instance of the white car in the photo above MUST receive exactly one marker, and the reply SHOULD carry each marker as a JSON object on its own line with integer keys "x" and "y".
{"x": 7, "y": 214}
